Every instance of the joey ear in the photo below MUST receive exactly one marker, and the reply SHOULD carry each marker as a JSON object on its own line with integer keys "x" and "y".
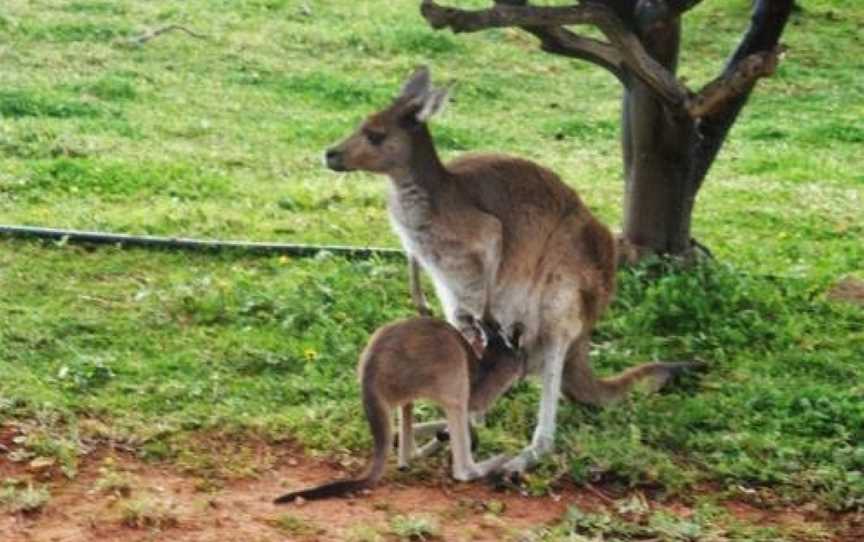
{"x": 417, "y": 85}
{"x": 433, "y": 103}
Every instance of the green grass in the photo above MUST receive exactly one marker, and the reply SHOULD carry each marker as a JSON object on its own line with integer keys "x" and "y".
{"x": 26, "y": 500}
{"x": 222, "y": 137}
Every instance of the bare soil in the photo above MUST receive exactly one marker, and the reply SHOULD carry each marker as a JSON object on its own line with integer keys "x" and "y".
{"x": 163, "y": 503}
{"x": 850, "y": 290}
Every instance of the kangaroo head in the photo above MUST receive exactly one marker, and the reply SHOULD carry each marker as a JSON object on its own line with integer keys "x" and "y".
{"x": 384, "y": 141}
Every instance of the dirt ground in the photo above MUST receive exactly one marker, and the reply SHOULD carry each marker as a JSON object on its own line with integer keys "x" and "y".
{"x": 115, "y": 497}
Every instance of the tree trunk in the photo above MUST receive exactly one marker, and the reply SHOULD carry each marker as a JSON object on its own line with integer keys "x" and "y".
{"x": 667, "y": 156}
{"x": 670, "y": 135}
{"x": 658, "y": 150}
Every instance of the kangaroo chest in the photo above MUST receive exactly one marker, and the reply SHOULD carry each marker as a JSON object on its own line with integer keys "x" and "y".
{"x": 447, "y": 254}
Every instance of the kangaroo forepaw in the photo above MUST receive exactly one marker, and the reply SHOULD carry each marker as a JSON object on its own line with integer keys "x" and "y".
{"x": 476, "y": 338}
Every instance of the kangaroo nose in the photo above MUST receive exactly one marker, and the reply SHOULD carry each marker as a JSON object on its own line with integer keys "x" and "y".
{"x": 333, "y": 159}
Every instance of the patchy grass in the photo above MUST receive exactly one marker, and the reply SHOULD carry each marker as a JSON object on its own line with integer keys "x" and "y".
{"x": 705, "y": 524}
{"x": 415, "y": 527}
{"x": 23, "y": 499}
{"x": 114, "y": 481}
{"x": 148, "y": 511}
{"x": 222, "y": 138}
{"x": 291, "y": 525}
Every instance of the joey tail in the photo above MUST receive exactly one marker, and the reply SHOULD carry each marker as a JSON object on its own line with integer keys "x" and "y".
{"x": 379, "y": 422}
{"x": 580, "y": 384}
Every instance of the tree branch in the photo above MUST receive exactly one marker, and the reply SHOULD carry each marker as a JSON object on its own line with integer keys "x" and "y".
{"x": 762, "y": 37}
{"x": 560, "y": 41}
{"x": 625, "y": 52}
{"x": 718, "y": 93}
{"x": 627, "y": 44}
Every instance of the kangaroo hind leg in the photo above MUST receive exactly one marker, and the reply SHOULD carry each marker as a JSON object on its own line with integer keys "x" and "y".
{"x": 464, "y": 467}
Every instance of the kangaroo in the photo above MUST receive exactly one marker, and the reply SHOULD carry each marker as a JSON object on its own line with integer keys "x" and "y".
{"x": 426, "y": 358}
{"x": 503, "y": 232}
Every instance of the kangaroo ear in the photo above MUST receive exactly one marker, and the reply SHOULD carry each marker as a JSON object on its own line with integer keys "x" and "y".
{"x": 433, "y": 103}
{"x": 417, "y": 86}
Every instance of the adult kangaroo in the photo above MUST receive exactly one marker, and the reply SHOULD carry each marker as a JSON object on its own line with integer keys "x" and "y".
{"x": 501, "y": 230}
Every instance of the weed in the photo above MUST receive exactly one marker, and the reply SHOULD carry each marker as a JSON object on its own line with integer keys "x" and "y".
{"x": 113, "y": 481}
{"x": 363, "y": 533}
{"x": 28, "y": 500}
{"x": 706, "y": 524}
{"x": 292, "y": 525}
{"x": 148, "y": 511}
{"x": 48, "y": 441}
{"x": 415, "y": 527}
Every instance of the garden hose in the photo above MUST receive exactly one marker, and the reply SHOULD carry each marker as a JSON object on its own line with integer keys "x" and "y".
{"x": 212, "y": 245}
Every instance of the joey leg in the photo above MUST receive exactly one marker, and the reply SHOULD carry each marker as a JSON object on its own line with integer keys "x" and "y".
{"x": 464, "y": 467}
{"x": 427, "y": 429}
{"x": 432, "y": 446}
{"x": 406, "y": 436}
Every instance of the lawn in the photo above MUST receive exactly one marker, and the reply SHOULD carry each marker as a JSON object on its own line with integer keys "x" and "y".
{"x": 221, "y": 137}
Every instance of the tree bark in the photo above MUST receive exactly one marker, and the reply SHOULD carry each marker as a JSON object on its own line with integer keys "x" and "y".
{"x": 658, "y": 149}
{"x": 670, "y": 134}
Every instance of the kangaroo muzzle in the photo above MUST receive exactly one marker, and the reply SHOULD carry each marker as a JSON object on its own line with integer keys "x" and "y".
{"x": 334, "y": 159}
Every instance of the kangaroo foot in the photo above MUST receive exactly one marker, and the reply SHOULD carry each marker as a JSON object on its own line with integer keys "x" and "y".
{"x": 479, "y": 470}
{"x": 527, "y": 458}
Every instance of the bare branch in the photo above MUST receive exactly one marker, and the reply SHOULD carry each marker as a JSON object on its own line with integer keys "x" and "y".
{"x": 624, "y": 52}
{"x": 560, "y": 41}
{"x": 147, "y": 36}
{"x": 715, "y": 95}
{"x": 766, "y": 25}
{"x": 628, "y": 46}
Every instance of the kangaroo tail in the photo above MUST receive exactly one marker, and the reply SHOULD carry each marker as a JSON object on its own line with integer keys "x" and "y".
{"x": 377, "y": 413}
{"x": 581, "y": 385}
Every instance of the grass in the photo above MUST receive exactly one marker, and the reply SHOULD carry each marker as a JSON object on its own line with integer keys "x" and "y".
{"x": 293, "y": 526}
{"x": 706, "y": 524}
{"x": 24, "y": 499}
{"x": 148, "y": 511}
{"x": 415, "y": 527}
{"x": 222, "y": 138}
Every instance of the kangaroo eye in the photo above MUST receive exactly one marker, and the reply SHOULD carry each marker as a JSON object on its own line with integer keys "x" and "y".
{"x": 375, "y": 138}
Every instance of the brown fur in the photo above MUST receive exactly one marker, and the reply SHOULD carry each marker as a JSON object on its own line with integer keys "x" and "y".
{"x": 424, "y": 358}
{"x": 501, "y": 234}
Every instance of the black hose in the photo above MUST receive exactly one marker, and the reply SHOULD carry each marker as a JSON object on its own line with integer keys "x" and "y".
{"x": 180, "y": 243}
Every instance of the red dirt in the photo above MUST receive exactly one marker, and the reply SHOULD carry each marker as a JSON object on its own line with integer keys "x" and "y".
{"x": 849, "y": 289}
{"x": 242, "y": 510}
